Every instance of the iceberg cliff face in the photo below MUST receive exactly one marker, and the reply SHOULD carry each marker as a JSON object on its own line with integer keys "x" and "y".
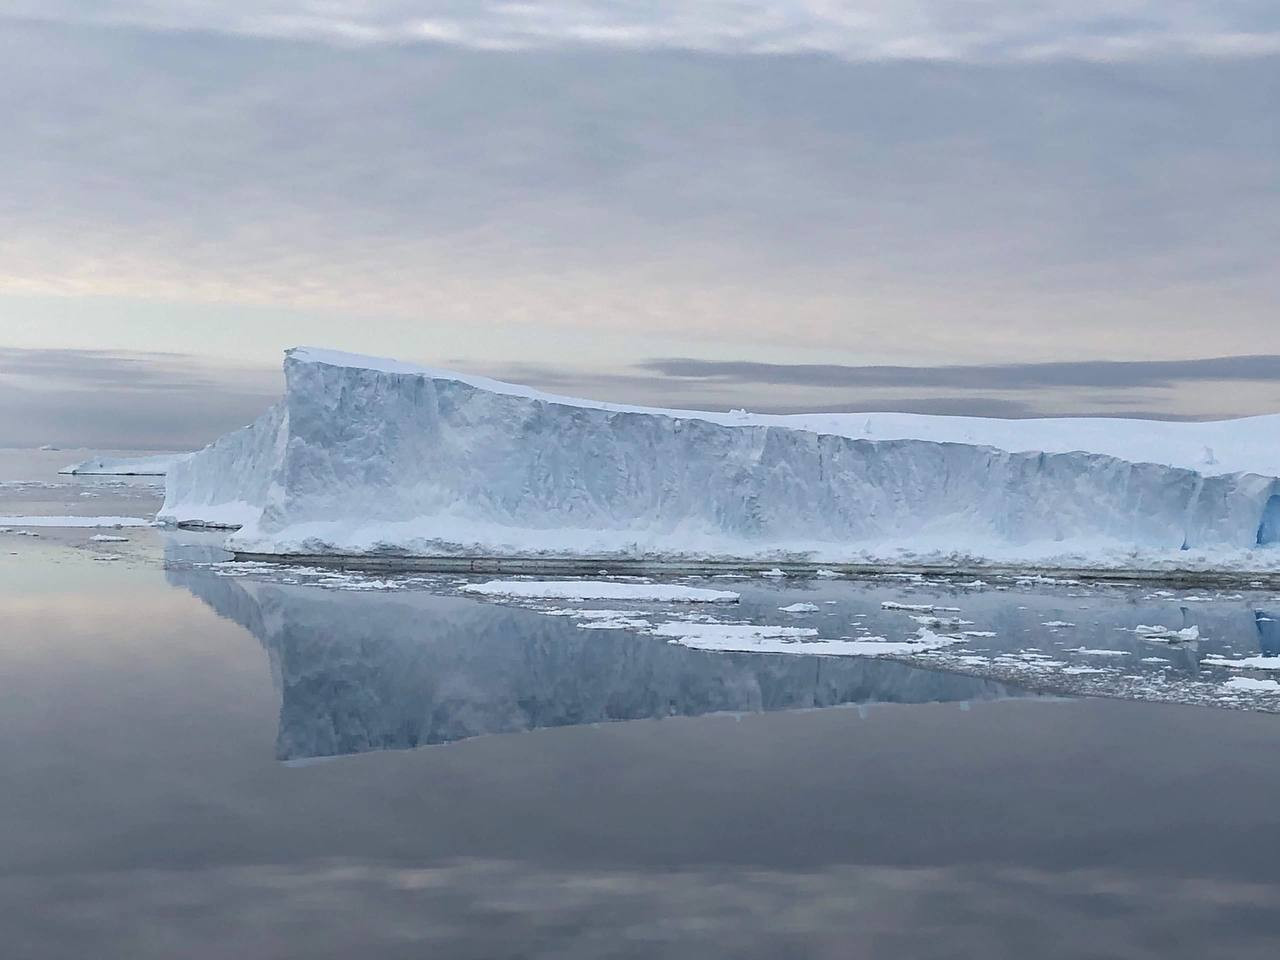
{"x": 226, "y": 483}
{"x": 366, "y": 456}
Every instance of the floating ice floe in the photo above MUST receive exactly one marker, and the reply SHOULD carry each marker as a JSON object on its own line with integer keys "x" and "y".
{"x": 1161, "y": 634}
{"x": 927, "y": 621}
{"x": 75, "y": 521}
{"x": 1252, "y": 685}
{"x": 1057, "y": 624}
{"x": 1088, "y": 652}
{"x": 800, "y": 608}
{"x": 157, "y": 465}
{"x": 105, "y": 538}
{"x": 1244, "y": 663}
{"x": 599, "y": 590}
{"x": 607, "y": 619}
{"x": 758, "y": 638}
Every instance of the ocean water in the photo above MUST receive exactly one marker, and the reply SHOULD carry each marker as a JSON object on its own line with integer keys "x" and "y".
{"x": 204, "y": 759}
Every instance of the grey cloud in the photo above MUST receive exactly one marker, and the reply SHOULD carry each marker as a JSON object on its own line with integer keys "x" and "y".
{"x": 640, "y": 203}
{"x": 281, "y": 168}
{"x": 80, "y": 398}
{"x": 869, "y": 29}
{"x": 1014, "y": 376}
{"x": 96, "y": 369}
{"x": 711, "y": 385}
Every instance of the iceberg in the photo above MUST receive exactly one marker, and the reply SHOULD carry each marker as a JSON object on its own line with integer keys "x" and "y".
{"x": 371, "y": 457}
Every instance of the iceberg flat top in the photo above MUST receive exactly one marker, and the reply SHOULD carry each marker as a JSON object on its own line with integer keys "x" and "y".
{"x": 1210, "y": 447}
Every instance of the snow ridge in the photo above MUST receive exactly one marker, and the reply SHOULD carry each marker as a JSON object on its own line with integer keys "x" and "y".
{"x": 370, "y": 456}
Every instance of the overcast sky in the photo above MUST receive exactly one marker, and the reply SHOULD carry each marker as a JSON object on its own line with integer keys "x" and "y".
{"x": 776, "y": 205}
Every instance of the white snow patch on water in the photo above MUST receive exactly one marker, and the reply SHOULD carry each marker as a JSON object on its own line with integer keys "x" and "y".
{"x": 1252, "y": 685}
{"x": 609, "y": 619}
{"x": 75, "y": 521}
{"x": 599, "y": 590}
{"x": 759, "y": 638}
{"x": 1161, "y": 634}
{"x": 1244, "y": 663}
{"x": 941, "y": 621}
{"x": 157, "y": 465}
{"x": 1104, "y": 653}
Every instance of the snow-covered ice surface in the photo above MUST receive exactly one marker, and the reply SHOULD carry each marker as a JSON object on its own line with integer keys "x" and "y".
{"x": 156, "y": 465}
{"x": 370, "y": 456}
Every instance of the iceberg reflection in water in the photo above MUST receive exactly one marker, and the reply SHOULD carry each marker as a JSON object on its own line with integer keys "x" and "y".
{"x": 366, "y": 671}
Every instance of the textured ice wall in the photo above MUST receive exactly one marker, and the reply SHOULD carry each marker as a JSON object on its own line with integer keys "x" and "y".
{"x": 360, "y": 460}
{"x": 225, "y": 484}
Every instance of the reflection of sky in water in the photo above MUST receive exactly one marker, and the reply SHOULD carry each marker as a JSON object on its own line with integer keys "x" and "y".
{"x": 139, "y": 731}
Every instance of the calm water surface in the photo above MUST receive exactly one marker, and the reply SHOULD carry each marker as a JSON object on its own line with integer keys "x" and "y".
{"x": 207, "y": 766}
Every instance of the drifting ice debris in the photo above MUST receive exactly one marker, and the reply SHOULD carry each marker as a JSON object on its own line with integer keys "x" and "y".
{"x": 1167, "y": 634}
{"x": 1244, "y": 663}
{"x": 1251, "y": 685}
{"x": 800, "y": 608}
{"x": 599, "y": 590}
{"x": 156, "y": 465}
{"x": 367, "y": 456}
{"x": 926, "y": 621}
{"x": 42, "y": 521}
